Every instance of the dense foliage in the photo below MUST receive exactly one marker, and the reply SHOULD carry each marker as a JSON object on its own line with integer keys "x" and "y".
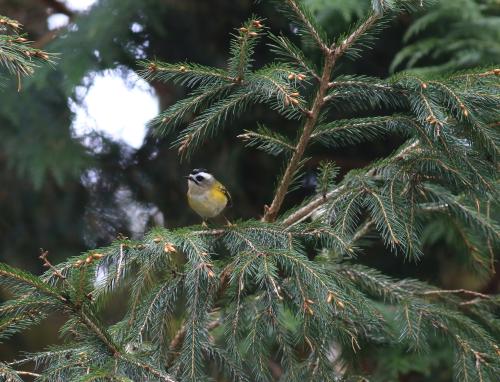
{"x": 284, "y": 297}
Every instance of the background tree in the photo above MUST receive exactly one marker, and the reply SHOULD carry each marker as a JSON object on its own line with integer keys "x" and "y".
{"x": 150, "y": 178}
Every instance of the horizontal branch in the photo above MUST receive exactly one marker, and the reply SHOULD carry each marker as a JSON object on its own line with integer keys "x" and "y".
{"x": 306, "y": 211}
{"x": 456, "y": 291}
{"x": 27, "y": 373}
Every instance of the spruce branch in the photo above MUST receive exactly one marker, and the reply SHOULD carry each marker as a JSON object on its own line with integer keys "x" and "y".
{"x": 17, "y": 53}
{"x": 267, "y": 140}
{"x": 148, "y": 368}
{"x": 456, "y": 291}
{"x": 242, "y": 48}
{"x": 341, "y": 48}
{"x": 272, "y": 212}
{"x": 284, "y": 48}
{"x": 186, "y": 74}
{"x": 311, "y": 206}
{"x": 302, "y": 15}
{"x": 331, "y": 55}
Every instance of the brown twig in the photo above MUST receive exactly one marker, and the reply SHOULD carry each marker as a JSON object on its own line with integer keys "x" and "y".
{"x": 347, "y": 43}
{"x": 306, "y": 211}
{"x": 363, "y": 230}
{"x": 59, "y": 7}
{"x": 456, "y": 291}
{"x": 27, "y": 373}
{"x": 181, "y": 334}
{"x": 46, "y": 263}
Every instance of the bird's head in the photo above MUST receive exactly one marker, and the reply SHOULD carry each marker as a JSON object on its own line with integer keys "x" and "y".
{"x": 200, "y": 180}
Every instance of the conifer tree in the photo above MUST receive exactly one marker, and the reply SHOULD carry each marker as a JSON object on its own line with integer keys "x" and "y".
{"x": 283, "y": 297}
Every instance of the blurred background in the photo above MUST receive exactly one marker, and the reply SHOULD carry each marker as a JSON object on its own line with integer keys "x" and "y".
{"x": 78, "y": 165}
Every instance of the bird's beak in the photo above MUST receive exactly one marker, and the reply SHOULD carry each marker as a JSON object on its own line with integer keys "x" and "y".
{"x": 190, "y": 178}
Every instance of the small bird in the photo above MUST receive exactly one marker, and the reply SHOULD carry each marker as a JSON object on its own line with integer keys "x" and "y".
{"x": 206, "y": 195}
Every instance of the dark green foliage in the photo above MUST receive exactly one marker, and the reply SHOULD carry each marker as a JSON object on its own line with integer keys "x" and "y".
{"x": 461, "y": 33}
{"x": 284, "y": 297}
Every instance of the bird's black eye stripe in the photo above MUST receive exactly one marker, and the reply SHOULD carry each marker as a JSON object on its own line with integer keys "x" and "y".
{"x": 199, "y": 178}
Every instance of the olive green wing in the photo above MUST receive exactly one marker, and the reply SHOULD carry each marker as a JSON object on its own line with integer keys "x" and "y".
{"x": 227, "y": 194}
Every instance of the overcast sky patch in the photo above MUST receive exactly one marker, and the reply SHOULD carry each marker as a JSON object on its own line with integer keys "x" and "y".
{"x": 115, "y": 103}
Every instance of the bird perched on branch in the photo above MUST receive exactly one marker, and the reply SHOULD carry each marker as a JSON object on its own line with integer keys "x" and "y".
{"x": 206, "y": 195}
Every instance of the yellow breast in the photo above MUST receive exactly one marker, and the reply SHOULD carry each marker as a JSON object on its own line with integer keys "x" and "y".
{"x": 208, "y": 204}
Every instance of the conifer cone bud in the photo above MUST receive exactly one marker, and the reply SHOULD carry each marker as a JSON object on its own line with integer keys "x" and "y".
{"x": 78, "y": 263}
{"x": 301, "y": 77}
{"x": 88, "y": 260}
{"x": 496, "y": 72}
{"x": 168, "y": 248}
{"x": 97, "y": 256}
{"x": 243, "y": 30}
{"x": 257, "y": 24}
{"x": 465, "y": 112}
{"x": 424, "y": 85}
{"x": 157, "y": 239}
{"x": 340, "y": 304}
{"x": 182, "y": 68}
{"x": 330, "y": 297}
{"x": 152, "y": 67}
{"x": 11, "y": 23}
{"x": 253, "y": 34}
{"x": 497, "y": 350}
{"x": 40, "y": 54}
{"x": 291, "y": 76}
{"x": 308, "y": 309}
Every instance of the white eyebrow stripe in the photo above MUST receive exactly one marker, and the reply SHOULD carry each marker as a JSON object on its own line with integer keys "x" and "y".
{"x": 206, "y": 175}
